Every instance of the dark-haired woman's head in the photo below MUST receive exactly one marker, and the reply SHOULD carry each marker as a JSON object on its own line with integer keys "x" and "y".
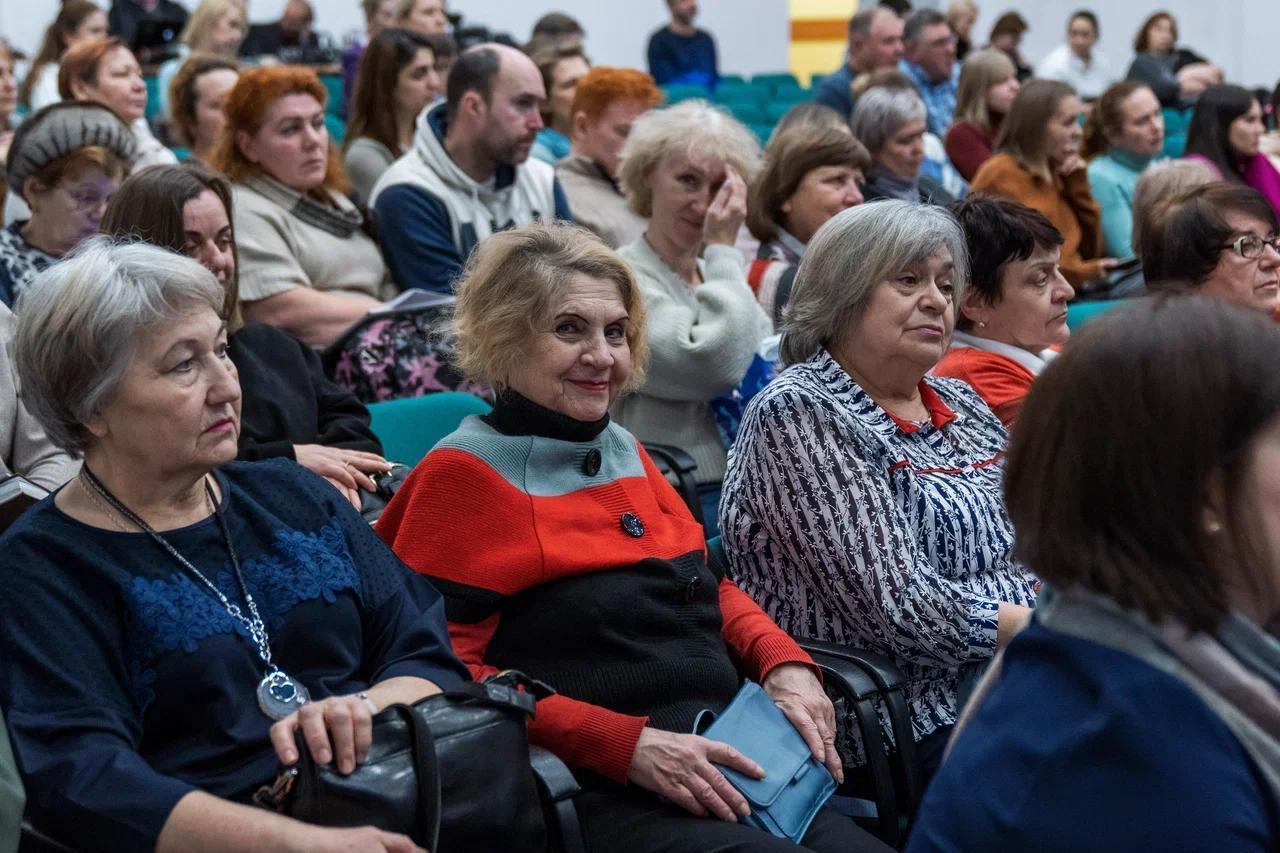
{"x": 1219, "y": 239}
{"x": 1158, "y": 34}
{"x": 184, "y": 209}
{"x": 1226, "y": 128}
{"x": 396, "y": 81}
{"x": 1017, "y": 294}
{"x": 1143, "y": 466}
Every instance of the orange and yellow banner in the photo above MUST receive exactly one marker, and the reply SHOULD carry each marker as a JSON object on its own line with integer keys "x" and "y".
{"x": 819, "y": 36}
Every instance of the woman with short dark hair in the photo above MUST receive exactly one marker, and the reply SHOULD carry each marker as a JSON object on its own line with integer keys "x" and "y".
{"x": 1141, "y": 708}
{"x": 1225, "y": 135}
{"x": 1218, "y": 239}
{"x": 1177, "y": 75}
{"x": 810, "y": 174}
{"x": 1015, "y": 308}
{"x": 562, "y": 65}
{"x": 195, "y": 102}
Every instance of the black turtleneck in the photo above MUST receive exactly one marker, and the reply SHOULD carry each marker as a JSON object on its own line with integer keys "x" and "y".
{"x": 515, "y": 414}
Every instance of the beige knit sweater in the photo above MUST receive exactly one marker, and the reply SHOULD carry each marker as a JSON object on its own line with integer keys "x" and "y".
{"x": 24, "y": 447}
{"x": 701, "y": 342}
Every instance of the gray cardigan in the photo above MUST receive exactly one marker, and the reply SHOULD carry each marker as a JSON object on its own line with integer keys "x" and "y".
{"x": 24, "y": 447}
{"x": 366, "y": 159}
{"x": 701, "y": 342}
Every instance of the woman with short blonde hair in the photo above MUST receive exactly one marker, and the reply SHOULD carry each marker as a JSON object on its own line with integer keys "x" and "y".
{"x": 215, "y": 28}
{"x": 546, "y": 506}
{"x": 686, "y": 168}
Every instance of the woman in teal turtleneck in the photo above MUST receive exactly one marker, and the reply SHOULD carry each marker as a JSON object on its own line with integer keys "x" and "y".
{"x": 1124, "y": 133}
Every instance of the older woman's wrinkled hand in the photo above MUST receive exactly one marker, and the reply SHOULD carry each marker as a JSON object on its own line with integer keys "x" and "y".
{"x": 338, "y": 729}
{"x": 796, "y": 690}
{"x": 682, "y": 769}
{"x": 347, "y": 470}
{"x": 727, "y": 211}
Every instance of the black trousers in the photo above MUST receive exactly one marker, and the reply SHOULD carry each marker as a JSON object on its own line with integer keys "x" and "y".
{"x": 632, "y": 820}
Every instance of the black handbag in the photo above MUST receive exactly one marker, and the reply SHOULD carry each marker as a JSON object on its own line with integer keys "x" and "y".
{"x": 452, "y": 772}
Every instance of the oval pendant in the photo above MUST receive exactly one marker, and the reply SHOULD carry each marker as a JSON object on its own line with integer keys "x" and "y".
{"x": 279, "y": 695}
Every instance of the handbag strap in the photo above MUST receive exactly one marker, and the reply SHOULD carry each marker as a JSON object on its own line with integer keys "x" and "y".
{"x": 427, "y": 772}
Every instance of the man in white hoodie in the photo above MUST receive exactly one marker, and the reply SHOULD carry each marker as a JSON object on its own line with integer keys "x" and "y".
{"x": 468, "y": 173}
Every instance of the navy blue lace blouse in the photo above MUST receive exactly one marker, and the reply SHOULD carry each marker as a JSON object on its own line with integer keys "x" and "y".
{"x": 125, "y": 684}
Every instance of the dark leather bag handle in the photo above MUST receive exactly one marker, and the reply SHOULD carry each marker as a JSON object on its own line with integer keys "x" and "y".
{"x": 430, "y": 808}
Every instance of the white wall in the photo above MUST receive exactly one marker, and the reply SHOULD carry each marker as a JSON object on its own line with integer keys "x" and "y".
{"x": 753, "y": 35}
{"x": 1240, "y": 35}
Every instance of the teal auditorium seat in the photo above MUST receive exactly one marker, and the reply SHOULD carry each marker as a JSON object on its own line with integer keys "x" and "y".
{"x": 333, "y": 86}
{"x": 337, "y": 128}
{"x": 1079, "y": 313}
{"x": 409, "y": 427}
{"x": 153, "y": 96}
{"x": 1175, "y": 131}
{"x": 680, "y": 92}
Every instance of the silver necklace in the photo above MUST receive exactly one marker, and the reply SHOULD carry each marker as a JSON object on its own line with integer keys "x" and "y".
{"x": 279, "y": 695}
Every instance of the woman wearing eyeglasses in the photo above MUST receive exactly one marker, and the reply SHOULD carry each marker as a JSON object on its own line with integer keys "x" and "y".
{"x": 65, "y": 162}
{"x": 1218, "y": 239}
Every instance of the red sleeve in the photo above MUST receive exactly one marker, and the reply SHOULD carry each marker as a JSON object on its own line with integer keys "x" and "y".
{"x": 967, "y": 149}
{"x": 754, "y": 637}
{"x": 457, "y": 520}
{"x": 1001, "y": 382}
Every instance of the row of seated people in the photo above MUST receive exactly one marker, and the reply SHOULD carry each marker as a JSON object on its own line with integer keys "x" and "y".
{"x": 311, "y": 269}
{"x": 863, "y": 505}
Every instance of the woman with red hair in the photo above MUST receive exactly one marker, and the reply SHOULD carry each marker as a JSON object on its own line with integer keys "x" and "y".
{"x": 307, "y": 264}
{"x": 605, "y": 104}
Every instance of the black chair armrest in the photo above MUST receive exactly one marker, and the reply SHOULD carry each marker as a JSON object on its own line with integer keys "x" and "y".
{"x": 35, "y": 841}
{"x": 845, "y": 679}
{"x": 557, "y": 788}
{"x": 878, "y": 666}
{"x": 674, "y": 462}
{"x": 888, "y": 678}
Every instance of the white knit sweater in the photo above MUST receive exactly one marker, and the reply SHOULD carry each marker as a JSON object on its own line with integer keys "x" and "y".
{"x": 701, "y": 342}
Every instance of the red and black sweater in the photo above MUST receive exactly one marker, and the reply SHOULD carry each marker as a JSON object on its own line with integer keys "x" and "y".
{"x": 562, "y": 552}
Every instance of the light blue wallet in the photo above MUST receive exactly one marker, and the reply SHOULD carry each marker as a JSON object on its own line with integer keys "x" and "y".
{"x": 795, "y": 785}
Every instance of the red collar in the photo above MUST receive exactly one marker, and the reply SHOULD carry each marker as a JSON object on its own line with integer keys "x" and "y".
{"x": 940, "y": 413}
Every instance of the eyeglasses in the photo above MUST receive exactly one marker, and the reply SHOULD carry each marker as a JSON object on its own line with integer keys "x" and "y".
{"x": 1251, "y": 246}
{"x": 85, "y": 200}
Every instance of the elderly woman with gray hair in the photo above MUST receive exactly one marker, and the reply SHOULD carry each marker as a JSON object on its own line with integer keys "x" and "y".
{"x": 890, "y": 121}
{"x": 183, "y": 615}
{"x": 686, "y": 170}
{"x": 862, "y": 503}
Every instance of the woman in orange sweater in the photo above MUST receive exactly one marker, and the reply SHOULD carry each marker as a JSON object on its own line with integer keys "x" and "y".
{"x": 1038, "y": 163}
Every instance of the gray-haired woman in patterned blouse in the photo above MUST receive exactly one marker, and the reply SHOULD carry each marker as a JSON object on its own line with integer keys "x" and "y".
{"x": 862, "y": 503}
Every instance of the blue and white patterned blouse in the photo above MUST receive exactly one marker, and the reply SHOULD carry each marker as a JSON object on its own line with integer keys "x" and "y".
{"x": 19, "y": 263}
{"x": 848, "y": 525}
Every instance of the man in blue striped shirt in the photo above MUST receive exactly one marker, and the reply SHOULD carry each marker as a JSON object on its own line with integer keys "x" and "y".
{"x": 930, "y": 62}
